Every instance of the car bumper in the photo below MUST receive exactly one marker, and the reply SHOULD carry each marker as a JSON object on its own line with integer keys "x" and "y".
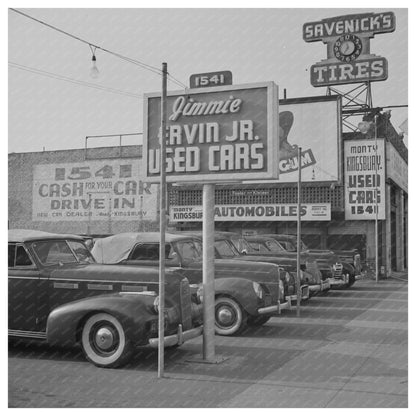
{"x": 177, "y": 339}
{"x": 276, "y": 309}
{"x": 304, "y": 294}
{"x": 338, "y": 282}
{"x": 320, "y": 287}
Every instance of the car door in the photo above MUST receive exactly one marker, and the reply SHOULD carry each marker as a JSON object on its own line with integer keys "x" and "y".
{"x": 24, "y": 288}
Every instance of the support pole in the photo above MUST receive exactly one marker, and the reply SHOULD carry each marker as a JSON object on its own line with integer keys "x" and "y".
{"x": 208, "y": 229}
{"x": 161, "y": 332}
{"x": 376, "y": 197}
{"x": 298, "y": 291}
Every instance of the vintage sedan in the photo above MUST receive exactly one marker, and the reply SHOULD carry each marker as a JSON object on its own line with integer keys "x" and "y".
{"x": 58, "y": 293}
{"x": 225, "y": 249}
{"x": 245, "y": 293}
{"x": 344, "y": 273}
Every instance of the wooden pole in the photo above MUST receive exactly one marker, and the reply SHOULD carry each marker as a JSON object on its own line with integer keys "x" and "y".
{"x": 298, "y": 291}
{"x": 161, "y": 332}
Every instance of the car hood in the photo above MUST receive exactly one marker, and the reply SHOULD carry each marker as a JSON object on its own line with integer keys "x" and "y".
{"x": 285, "y": 262}
{"x": 257, "y": 271}
{"x": 113, "y": 273}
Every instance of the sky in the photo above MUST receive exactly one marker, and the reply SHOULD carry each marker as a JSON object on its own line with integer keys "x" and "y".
{"x": 265, "y": 44}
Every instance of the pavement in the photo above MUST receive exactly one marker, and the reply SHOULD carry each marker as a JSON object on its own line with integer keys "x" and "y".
{"x": 347, "y": 349}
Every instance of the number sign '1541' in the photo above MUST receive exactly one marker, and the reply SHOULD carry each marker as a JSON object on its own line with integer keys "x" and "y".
{"x": 211, "y": 79}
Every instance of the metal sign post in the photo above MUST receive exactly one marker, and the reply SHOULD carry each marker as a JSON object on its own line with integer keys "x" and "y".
{"x": 208, "y": 196}
{"x": 161, "y": 332}
{"x": 299, "y": 294}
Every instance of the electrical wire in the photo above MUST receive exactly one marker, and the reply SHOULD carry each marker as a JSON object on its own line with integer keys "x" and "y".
{"x": 92, "y": 45}
{"x": 73, "y": 81}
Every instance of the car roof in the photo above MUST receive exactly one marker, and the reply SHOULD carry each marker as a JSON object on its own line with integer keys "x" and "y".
{"x": 20, "y": 235}
{"x": 146, "y": 237}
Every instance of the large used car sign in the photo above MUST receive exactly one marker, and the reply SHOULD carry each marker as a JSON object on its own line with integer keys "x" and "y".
{"x": 215, "y": 134}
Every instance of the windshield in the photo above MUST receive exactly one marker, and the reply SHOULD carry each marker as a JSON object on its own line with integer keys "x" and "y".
{"x": 273, "y": 246}
{"x": 188, "y": 250}
{"x": 61, "y": 252}
{"x": 291, "y": 245}
{"x": 226, "y": 249}
{"x": 241, "y": 245}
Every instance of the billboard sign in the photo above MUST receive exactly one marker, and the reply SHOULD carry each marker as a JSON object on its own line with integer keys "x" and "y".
{"x": 214, "y": 134}
{"x": 397, "y": 168}
{"x": 93, "y": 190}
{"x": 313, "y": 123}
{"x": 348, "y": 48}
{"x": 253, "y": 212}
{"x": 365, "y": 179}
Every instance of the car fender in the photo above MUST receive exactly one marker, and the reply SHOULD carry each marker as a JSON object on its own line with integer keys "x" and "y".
{"x": 240, "y": 290}
{"x": 65, "y": 322}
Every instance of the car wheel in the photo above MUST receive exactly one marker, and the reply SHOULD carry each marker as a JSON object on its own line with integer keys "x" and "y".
{"x": 230, "y": 317}
{"x": 258, "y": 320}
{"x": 104, "y": 341}
{"x": 351, "y": 281}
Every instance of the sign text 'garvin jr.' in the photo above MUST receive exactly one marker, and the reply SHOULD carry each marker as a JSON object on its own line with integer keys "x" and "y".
{"x": 214, "y": 134}
{"x": 348, "y": 48}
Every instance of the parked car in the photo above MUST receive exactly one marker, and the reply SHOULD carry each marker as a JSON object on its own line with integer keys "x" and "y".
{"x": 344, "y": 273}
{"x": 245, "y": 293}
{"x": 225, "y": 249}
{"x": 59, "y": 294}
{"x": 260, "y": 245}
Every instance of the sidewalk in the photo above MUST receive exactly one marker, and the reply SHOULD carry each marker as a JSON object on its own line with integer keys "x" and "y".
{"x": 347, "y": 349}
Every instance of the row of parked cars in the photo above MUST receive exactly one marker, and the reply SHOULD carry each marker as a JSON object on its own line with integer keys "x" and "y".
{"x": 106, "y": 299}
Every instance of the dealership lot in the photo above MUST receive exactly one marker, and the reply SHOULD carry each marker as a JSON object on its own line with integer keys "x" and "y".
{"x": 347, "y": 349}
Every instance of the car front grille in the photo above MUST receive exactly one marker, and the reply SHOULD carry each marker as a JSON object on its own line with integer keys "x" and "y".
{"x": 337, "y": 271}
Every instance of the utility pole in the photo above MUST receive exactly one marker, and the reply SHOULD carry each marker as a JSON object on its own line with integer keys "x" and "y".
{"x": 376, "y": 196}
{"x": 298, "y": 291}
{"x": 161, "y": 332}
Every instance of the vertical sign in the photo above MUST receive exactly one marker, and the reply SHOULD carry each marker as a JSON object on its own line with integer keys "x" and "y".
{"x": 365, "y": 179}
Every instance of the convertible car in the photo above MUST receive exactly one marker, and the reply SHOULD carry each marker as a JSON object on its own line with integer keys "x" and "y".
{"x": 59, "y": 294}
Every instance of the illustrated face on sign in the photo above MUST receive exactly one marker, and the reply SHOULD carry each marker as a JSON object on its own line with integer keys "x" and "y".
{"x": 285, "y": 123}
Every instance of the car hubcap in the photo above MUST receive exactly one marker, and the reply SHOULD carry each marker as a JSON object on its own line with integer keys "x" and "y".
{"x": 105, "y": 340}
{"x": 225, "y": 316}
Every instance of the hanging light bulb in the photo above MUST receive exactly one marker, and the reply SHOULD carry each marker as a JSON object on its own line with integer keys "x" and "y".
{"x": 94, "y": 72}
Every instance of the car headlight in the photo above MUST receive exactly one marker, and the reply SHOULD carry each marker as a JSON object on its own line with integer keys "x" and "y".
{"x": 281, "y": 290}
{"x": 200, "y": 294}
{"x": 156, "y": 304}
{"x": 258, "y": 290}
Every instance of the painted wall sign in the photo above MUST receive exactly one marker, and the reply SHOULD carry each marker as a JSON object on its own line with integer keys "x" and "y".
{"x": 365, "y": 179}
{"x": 397, "y": 168}
{"x": 93, "y": 190}
{"x": 214, "y": 134}
{"x": 314, "y": 125}
{"x": 348, "y": 48}
{"x": 253, "y": 212}
{"x": 211, "y": 79}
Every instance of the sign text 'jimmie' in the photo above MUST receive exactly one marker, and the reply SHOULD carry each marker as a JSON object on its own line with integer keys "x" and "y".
{"x": 224, "y": 133}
